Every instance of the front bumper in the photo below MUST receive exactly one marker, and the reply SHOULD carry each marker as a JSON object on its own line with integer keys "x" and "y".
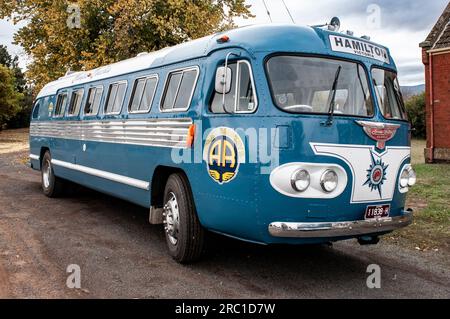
{"x": 340, "y": 229}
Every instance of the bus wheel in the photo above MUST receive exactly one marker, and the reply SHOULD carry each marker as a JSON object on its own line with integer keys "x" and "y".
{"x": 184, "y": 234}
{"x": 51, "y": 185}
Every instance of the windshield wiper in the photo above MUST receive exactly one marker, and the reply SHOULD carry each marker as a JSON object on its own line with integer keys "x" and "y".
{"x": 333, "y": 97}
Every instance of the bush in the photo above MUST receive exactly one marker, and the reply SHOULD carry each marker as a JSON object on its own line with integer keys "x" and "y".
{"x": 415, "y": 106}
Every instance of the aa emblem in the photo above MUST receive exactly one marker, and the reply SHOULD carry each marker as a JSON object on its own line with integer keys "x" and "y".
{"x": 224, "y": 151}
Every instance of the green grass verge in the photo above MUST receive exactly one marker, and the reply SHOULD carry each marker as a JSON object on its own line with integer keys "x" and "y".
{"x": 430, "y": 199}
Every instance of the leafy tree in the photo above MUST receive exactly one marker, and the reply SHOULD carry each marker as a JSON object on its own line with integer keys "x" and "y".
{"x": 10, "y": 99}
{"x": 415, "y": 106}
{"x": 13, "y": 63}
{"x": 111, "y": 30}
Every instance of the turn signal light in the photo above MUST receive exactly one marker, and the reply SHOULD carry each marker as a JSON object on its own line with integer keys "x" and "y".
{"x": 190, "y": 135}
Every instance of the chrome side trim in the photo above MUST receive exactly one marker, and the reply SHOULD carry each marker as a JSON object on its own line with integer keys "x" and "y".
{"x": 35, "y": 157}
{"x": 337, "y": 229}
{"x": 170, "y": 133}
{"x": 103, "y": 174}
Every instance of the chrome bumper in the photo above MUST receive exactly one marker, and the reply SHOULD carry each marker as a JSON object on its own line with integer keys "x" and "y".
{"x": 338, "y": 229}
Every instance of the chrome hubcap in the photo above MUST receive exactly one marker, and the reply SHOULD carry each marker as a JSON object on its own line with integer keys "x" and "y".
{"x": 171, "y": 218}
{"x": 46, "y": 172}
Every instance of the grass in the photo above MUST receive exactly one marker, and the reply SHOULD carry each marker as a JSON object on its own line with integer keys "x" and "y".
{"x": 430, "y": 199}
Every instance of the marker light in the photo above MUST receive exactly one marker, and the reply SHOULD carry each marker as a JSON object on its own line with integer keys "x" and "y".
{"x": 223, "y": 39}
{"x": 329, "y": 181}
{"x": 300, "y": 180}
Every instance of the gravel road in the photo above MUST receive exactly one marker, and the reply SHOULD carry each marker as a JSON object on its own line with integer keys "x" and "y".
{"x": 121, "y": 255}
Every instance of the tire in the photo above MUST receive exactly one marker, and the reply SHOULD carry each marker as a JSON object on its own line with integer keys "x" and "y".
{"x": 52, "y": 186}
{"x": 184, "y": 233}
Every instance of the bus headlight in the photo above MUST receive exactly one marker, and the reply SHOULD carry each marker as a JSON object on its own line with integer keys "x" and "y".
{"x": 411, "y": 177}
{"x": 329, "y": 181}
{"x": 404, "y": 177}
{"x": 407, "y": 177}
{"x": 300, "y": 180}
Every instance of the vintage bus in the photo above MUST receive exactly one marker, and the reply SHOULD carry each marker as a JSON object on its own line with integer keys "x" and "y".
{"x": 272, "y": 134}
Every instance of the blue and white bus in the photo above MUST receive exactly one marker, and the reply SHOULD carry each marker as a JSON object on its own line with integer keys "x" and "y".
{"x": 273, "y": 134}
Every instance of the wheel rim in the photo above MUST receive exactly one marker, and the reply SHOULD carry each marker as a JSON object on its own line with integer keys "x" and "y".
{"x": 172, "y": 218}
{"x": 46, "y": 172}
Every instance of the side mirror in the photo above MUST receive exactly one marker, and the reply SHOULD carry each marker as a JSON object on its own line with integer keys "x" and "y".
{"x": 223, "y": 80}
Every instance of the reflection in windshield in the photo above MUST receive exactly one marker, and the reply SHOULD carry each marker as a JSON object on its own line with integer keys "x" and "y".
{"x": 388, "y": 94}
{"x": 303, "y": 85}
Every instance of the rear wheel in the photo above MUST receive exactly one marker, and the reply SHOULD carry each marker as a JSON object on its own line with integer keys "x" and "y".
{"x": 184, "y": 234}
{"x": 52, "y": 185}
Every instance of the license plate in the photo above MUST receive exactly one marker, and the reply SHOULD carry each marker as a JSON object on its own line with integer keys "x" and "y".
{"x": 377, "y": 211}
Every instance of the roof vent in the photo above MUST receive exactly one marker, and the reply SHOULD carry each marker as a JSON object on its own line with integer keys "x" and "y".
{"x": 350, "y": 33}
{"x": 365, "y": 37}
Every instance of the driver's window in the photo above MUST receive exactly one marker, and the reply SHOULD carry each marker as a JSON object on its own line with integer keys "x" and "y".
{"x": 241, "y": 98}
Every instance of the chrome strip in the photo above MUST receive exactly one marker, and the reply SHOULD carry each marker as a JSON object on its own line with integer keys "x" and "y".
{"x": 106, "y": 175}
{"x": 35, "y": 157}
{"x": 337, "y": 229}
{"x": 151, "y": 132}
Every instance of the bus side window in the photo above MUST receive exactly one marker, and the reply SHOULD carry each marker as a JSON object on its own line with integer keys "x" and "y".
{"x": 75, "y": 102}
{"x": 61, "y": 102}
{"x": 242, "y": 96}
{"x": 114, "y": 100}
{"x": 143, "y": 93}
{"x": 93, "y": 101}
{"x": 36, "y": 108}
{"x": 179, "y": 89}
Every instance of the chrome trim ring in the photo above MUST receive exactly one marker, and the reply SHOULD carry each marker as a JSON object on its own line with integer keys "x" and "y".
{"x": 46, "y": 172}
{"x": 339, "y": 229}
{"x": 171, "y": 218}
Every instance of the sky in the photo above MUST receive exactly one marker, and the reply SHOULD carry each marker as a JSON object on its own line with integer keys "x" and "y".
{"x": 400, "y": 25}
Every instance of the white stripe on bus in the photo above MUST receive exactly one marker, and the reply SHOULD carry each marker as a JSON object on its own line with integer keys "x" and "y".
{"x": 103, "y": 174}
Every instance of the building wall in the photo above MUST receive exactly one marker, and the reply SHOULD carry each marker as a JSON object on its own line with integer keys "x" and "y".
{"x": 440, "y": 84}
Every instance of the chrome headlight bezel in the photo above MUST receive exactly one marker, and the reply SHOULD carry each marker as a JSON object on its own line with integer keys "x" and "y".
{"x": 407, "y": 178}
{"x": 329, "y": 176}
{"x": 300, "y": 176}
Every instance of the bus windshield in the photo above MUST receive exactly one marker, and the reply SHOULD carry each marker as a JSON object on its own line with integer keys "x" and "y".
{"x": 304, "y": 85}
{"x": 388, "y": 94}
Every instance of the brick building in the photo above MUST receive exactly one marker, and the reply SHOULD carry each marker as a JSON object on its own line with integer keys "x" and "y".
{"x": 436, "y": 57}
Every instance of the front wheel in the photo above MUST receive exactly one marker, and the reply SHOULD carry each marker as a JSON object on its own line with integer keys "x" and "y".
{"x": 52, "y": 185}
{"x": 184, "y": 233}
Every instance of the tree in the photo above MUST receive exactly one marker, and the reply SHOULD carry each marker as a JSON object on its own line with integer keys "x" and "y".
{"x": 10, "y": 99}
{"x": 110, "y": 30}
{"x": 13, "y": 63}
{"x": 415, "y": 107}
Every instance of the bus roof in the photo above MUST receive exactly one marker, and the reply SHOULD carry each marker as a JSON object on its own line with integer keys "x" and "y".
{"x": 256, "y": 38}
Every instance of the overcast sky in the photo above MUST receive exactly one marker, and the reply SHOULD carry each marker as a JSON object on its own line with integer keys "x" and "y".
{"x": 401, "y": 26}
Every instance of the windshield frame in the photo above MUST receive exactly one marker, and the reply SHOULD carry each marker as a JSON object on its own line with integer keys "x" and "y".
{"x": 328, "y": 57}
{"x": 402, "y": 104}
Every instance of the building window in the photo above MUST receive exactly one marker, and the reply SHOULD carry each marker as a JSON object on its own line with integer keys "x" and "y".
{"x": 242, "y": 96}
{"x": 179, "y": 89}
{"x": 61, "y": 102}
{"x": 143, "y": 93}
{"x": 114, "y": 100}
{"x": 93, "y": 101}
{"x": 75, "y": 102}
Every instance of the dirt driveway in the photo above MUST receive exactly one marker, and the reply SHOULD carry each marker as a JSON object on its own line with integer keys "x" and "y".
{"x": 121, "y": 255}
